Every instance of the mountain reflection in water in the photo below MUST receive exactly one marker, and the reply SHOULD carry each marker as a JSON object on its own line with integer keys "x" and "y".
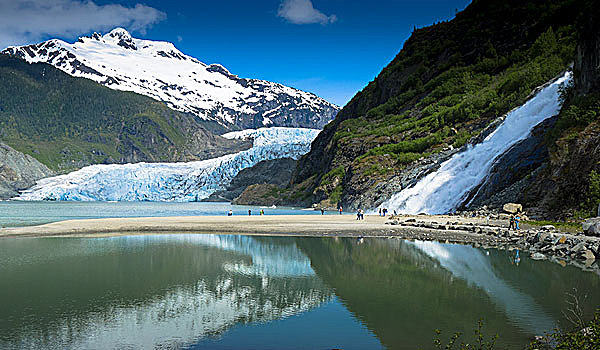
{"x": 225, "y": 291}
{"x": 148, "y": 291}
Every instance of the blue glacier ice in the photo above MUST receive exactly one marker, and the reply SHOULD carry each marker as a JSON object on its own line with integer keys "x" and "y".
{"x": 182, "y": 182}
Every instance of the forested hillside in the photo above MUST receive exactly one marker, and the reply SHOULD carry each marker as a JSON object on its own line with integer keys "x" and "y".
{"x": 66, "y": 122}
{"x": 449, "y": 82}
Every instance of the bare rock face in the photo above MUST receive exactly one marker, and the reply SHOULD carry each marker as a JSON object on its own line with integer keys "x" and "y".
{"x": 587, "y": 61}
{"x": 277, "y": 172}
{"x": 18, "y": 171}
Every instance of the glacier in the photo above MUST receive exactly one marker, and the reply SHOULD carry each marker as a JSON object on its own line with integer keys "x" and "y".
{"x": 443, "y": 190}
{"x": 159, "y": 70}
{"x": 183, "y": 182}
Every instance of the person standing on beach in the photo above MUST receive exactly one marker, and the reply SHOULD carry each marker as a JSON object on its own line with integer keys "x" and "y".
{"x": 379, "y": 211}
{"x": 230, "y": 213}
{"x": 362, "y": 214}
{"x": 262, "y": 212}
{"x": 517, "y": 220}
{"x": 341, "y": 209}
{"x": 249, "y": 212}
{"x": 322, "y": 211}
{"x": 358, "y": 214}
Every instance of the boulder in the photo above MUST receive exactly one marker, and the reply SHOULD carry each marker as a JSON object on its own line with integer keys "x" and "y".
{"x": 587, "y": 254}
{"x": 538, "y": 256}
{"x": 578, "y": 247}
{"x": 591, "y": 227}
{"x": 541, "y": 237}
{"x": 560, "y": 240}
{"x": 512, "y": 208}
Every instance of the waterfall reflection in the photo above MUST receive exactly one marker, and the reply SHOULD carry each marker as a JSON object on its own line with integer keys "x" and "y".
{"x": 473, "y": 266}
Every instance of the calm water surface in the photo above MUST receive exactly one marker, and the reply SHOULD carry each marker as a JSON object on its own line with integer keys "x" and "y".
{"x": 240, "y": 292}
{"x": 21, "y": 213}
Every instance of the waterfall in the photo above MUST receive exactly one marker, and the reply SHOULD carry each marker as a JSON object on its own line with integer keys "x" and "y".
{"x": 443, "y": 190}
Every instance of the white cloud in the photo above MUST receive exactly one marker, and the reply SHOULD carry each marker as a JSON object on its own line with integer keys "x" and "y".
{"x": 303, "y": 12}
{"x": 26, "y": 21}
{"x": 179, "y": 38}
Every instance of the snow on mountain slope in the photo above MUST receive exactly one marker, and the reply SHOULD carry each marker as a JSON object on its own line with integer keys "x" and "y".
{"x": 171, "y": 181}
{"x": 157, "y": 69}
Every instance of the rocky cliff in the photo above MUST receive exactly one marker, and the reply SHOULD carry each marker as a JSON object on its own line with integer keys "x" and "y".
{"x": 276, "y": 172}
{"x": 450, "y": 82}
{"x": 567, "y": 185}
{"x": 18, "y": 171}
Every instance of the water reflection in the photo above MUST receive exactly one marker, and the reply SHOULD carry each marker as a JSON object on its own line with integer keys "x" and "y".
{"x": 403, "y": 291}
{"x": 147, "y": 291}
{"x": 474, "y": 267}
{"x": 224, "y": 291}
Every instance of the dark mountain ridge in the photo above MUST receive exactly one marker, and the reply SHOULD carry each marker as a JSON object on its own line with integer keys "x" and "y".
{"x": 449, "y": 83}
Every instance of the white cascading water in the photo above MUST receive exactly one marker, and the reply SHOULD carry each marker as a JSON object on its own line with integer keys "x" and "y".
{"x": 443, "y": 190}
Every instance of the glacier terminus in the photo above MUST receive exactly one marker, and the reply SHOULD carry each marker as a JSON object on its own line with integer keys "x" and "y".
{"x": 189, "y": 181}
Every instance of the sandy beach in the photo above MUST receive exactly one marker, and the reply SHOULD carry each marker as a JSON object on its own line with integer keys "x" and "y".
{"x": 273, "y": 225}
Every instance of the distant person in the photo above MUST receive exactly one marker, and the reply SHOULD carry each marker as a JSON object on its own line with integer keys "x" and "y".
{"x": 362, "y": 214}
{"x": 249, "y": 212}
{"x": 511, "y": 223}
{"x": 322, "y": 211}
{"x": 230, "y": 213}
{"x": 385, "y": 211}
{"x": 358, "y": 214}
{"x": 380, "y": 212}
{"x": 395, "y": 213}
{"x": 517, "y": 221}
{"x": 262, "y": 212}
{"x": 341, "y": 210}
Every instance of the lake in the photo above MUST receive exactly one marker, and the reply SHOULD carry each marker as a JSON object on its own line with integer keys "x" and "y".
{"x": 27, "y": 213}
{"x": 194, "y": 291}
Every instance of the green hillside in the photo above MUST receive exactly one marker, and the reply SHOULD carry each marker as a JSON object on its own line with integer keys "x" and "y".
{"x": 448, "y": 83}
{"x": 68, "y": 122}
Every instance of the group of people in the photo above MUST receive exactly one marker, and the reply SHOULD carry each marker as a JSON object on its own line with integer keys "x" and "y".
{"x": 230, "y": 212}
{"x": 383, "y": 211}
{"x": 360, "y": 214}
{"x": 514, "y": 222}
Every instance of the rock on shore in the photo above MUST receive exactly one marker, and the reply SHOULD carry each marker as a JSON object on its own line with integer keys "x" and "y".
{"x": 541, "y": 242}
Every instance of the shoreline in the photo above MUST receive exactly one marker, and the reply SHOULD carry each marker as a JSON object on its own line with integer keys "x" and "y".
{"x": 563, "y": 248}
{"x": 284, "y": 225}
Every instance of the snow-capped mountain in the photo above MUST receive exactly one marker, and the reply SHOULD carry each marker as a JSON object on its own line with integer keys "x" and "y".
{"x": 159, "y": 70}
{"x": 172, "y": 181}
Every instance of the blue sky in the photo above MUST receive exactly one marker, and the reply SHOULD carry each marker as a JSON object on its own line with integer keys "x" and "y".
{"x": 330, "y": 47}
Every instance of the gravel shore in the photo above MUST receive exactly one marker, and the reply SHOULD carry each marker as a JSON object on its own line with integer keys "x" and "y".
{"x": 542, "y": 243}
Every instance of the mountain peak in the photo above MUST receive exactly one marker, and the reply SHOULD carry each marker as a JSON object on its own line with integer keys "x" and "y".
{"x": 118, "y": 32}
{"x": 122, "y": 37}
{"x": 159, "y": 70}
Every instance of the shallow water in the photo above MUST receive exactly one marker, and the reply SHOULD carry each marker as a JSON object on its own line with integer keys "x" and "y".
{"x": 24, "y": 213}
{"x": 242, "y": 292}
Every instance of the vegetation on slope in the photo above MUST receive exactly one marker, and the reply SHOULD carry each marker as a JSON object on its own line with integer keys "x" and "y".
{"x": 68, "y": 122}
{"x": 568, "y": 188}
{"x": 446, "y": 85}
